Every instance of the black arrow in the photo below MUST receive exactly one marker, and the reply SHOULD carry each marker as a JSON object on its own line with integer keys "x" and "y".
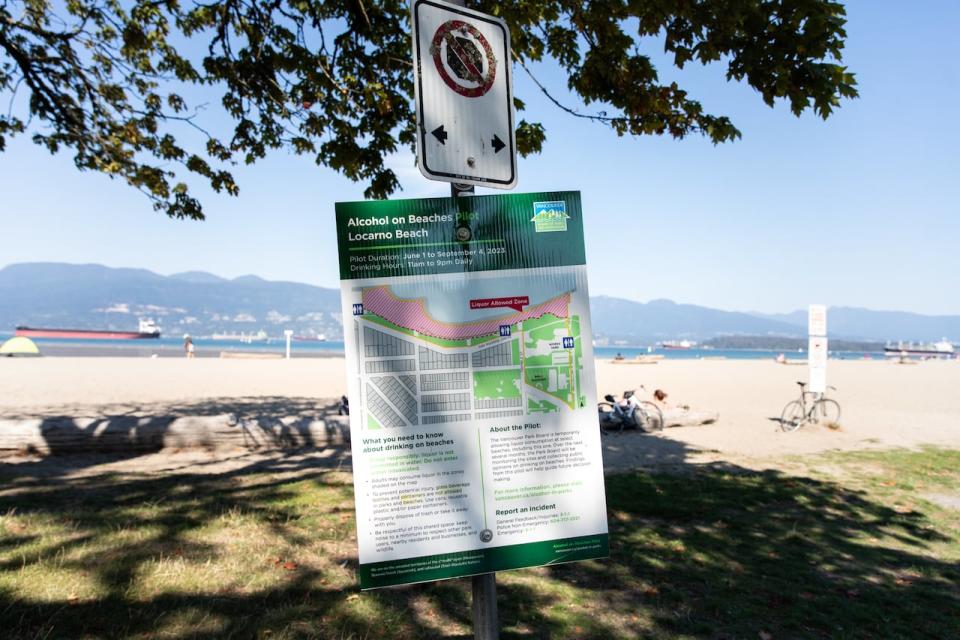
{"x": 497, "y": 143}
{"x": 440, "y": 135}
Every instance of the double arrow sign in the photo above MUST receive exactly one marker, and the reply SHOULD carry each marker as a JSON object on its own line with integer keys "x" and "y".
{"x": 442, "y": 136}
{"x": 461, "y": 62}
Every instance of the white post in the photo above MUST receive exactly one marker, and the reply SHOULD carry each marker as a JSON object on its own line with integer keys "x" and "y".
{"x": 817, "y": 348}
{"x": 289, "y": 334}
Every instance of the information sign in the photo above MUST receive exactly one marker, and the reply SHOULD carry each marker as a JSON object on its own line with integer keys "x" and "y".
{"x": 473, "y": 416}
{"x": 463, "y": 95}
{"x": 817, "y": 320}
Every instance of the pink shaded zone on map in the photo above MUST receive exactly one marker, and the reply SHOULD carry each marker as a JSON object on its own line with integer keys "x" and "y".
{"x": 412, "y": 314}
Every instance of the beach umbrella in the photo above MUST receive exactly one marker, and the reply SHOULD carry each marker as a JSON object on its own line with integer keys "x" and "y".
{"x": 19, "y": 346}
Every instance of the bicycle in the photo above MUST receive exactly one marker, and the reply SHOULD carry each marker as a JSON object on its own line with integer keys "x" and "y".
{"x": 811, "y": 408}
{"x": 630, "y": 412}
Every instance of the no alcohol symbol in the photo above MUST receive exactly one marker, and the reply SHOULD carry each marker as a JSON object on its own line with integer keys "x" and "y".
{"x": 464, "y": 58}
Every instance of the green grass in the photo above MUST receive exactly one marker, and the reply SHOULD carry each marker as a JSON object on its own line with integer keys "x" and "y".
{"x": 540, "y": 406}
{"x": 539, "y": 378}
{"x": 538, "y": 361}
{"x": 496, "y": 383}
{"x": 862, "y": 548}
{"x": 541, "y": 328}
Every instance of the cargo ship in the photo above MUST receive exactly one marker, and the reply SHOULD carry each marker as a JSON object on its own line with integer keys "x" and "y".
{"x": 147, "y": 329}
{"x": 678, "y": 344}
{"x": 942, "y": 349}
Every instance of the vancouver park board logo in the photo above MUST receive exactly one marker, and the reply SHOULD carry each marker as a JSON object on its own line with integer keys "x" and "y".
{"x": 550, "y": 216}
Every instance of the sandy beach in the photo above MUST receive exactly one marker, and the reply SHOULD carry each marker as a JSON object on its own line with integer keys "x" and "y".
{"x": 884, "y": 404}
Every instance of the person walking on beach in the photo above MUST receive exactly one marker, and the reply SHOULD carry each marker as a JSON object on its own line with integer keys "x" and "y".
{"x": 188, "y": 345}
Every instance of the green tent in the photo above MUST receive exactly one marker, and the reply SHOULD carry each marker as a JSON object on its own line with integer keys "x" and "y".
{"x": 19, "y": 346}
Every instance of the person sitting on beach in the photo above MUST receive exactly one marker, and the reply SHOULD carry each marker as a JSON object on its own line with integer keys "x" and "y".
{"x": 781, "y": 359}
{"x": 660, "y": 399}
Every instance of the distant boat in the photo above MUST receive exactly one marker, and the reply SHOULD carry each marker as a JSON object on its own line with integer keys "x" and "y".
{"x": 942, "y": 349}
{"x": 678, "y": 344}
{"x": 147, "y": 330}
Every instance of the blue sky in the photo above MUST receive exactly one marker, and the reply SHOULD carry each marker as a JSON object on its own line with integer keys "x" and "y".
{"x": 860, "y": 210}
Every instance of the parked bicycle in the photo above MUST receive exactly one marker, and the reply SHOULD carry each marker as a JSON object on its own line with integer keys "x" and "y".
{"x": 811, "y": 408}
{"x": 630, "y": 412}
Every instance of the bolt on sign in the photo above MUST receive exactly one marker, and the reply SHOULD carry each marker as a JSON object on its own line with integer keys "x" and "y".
{"x": 464, "y": 96}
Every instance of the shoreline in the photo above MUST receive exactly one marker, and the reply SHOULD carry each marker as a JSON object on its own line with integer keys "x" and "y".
{"x": 884, "y": 405}
{"x": 208, "y": 349}
{"x": 166, "y": 351}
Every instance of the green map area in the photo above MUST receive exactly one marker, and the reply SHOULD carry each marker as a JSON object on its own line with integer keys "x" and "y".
{"x": 533, "y": 365}
{"x": 548, "y": 366}
{"x": 500, "y": 383}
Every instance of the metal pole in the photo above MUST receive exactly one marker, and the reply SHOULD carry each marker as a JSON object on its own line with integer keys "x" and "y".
{"x": 486, "y": 625}
{"x": 457, "y": 189}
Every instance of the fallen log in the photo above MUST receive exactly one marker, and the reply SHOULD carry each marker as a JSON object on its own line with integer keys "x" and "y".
{"x": 688, "y": 418}
{"x": 118, "y": 434}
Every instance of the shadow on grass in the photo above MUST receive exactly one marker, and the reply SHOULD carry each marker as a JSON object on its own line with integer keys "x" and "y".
{"x": 715, "y": 552}
{"x": 729, "y": 553}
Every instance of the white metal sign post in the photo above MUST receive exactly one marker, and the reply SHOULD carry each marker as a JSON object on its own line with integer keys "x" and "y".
{"x": 817, "y": 348}
{"x": 464, "y": 96}
{"x": 817, "y": 355}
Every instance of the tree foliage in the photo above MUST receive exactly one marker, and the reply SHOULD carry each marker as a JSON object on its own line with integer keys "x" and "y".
{"x": 106, "y": 80}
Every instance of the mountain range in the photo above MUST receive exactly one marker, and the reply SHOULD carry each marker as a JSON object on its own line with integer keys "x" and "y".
{"x": 94, "y": 296}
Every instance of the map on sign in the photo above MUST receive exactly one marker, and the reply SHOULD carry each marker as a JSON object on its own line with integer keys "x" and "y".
{"x": 452, "y": 357}
{"x": 464, "y": 98}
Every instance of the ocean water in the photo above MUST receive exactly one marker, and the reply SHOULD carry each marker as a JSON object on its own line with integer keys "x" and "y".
{"x": 204, "y": 347}
{"x": 608, "y": 353}
{"x": 168, "y": 347}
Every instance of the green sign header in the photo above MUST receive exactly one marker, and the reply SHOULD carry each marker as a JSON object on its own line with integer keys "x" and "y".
{"x": 386, "y": 238}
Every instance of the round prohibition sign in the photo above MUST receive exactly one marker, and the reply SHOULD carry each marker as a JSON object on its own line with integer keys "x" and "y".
{"x": 461, "y": 53}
